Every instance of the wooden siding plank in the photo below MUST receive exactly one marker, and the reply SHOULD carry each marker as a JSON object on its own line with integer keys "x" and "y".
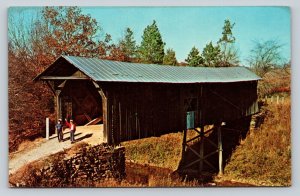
{"x": 156, "y": 109}
{"x": 64, "y": 78}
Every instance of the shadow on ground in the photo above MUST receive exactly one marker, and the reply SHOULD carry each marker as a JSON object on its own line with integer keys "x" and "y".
{"x": 78, "y": 139}
{"x": 232, "y": 134}
{"x": 83, "y": 137}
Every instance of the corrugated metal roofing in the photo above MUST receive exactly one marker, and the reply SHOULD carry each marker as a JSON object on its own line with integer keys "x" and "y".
{"x": 106, "y": 70}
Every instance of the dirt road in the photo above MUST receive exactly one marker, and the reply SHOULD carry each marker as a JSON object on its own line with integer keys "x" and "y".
{"x": 90, "y": 134}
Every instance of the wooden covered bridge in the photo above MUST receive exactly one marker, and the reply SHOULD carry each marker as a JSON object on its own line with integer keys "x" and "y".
{"x": 143, "y": 100}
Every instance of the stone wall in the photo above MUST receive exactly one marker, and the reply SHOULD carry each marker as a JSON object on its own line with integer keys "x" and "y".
{"x": 90, "y": 164}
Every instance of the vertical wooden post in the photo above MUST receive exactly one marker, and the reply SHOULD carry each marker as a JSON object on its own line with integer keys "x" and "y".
{"x": 47, "y": 128}
{"x": 201, "y": 148}
{"x": 120, "y": 122}
{"x": 272, "y": 99}
{"x": 105, "y": 115}
{"x": 183, "y": 145}
{"x": 220, "y": 149}
{"x": 126, "y": 125}
{"x": 105, "y": 119}
{"x": 282, "y": 100}
{"x": 136, "y": 125}
{"x": 58, "y": 106}
{"x": 201, "y": 120}
{"x": 277, "y": 101}
{"x": 111, "y": 139}
{"x": 107, "y": 132}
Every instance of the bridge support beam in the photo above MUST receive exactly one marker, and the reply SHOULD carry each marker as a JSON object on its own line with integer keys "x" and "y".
{"x": 201, "y": 154}
{"x": 58, "y": 106}
{"x": 220, "y": 149}
{"x": 201, "y": 149}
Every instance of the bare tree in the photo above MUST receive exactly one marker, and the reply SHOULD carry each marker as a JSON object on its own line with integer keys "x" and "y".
{"x": 18, "y": 35}
{"x": 264, "y": 56}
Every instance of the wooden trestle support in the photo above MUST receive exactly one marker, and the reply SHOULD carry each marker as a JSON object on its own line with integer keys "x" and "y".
{"x": 201, "y": 159}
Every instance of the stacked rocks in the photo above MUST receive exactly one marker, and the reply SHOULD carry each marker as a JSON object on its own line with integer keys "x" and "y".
{"x": 91, "y": 163}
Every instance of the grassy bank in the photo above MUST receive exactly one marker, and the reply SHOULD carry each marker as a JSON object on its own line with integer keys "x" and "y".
{"x": 264, "y": 157}
{"x": 164, "y": 151}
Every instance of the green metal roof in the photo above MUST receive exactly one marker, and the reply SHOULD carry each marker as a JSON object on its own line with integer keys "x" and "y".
{"x": 115, "y": 71}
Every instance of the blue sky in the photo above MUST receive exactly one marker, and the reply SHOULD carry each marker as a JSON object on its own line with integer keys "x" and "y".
{"x": 185, "y": 27}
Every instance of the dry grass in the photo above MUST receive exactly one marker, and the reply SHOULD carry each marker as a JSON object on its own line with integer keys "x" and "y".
{"x": 26, "y": 175}
{"x": 168, "y": 181}
{"x": 264, "y": 158}
{"x": 153, "y": 181}
{"x": 164, "y": 151}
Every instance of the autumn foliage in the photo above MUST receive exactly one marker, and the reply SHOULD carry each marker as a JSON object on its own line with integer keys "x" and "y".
{"x": 275, "y": 81}
{"x": 32, "y": 47}
{"x": 29, "y": 102}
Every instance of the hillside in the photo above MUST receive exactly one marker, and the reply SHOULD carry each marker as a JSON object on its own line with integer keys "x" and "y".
{"x": 264, "y": 157}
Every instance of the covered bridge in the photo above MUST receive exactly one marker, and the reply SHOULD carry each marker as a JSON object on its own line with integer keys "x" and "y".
{"x": 143, "y": 100}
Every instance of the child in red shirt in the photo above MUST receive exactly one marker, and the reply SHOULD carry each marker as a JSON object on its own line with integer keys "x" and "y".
{"x": 72, "y": 127}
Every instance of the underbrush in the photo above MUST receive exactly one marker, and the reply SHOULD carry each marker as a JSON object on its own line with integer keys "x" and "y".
{"x": 264, "y": 157}
{"x": 154, "y": 181}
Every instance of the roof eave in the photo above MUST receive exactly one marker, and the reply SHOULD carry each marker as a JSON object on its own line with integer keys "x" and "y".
{"x": 43, "y": 72}
{"x": 38, "y": 77}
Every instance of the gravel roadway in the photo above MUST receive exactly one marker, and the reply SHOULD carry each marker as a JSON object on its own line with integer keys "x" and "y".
{"x": 92, "y": 134}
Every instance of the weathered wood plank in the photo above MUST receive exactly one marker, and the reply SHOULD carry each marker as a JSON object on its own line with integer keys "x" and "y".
{"x": 65, "y": 78}
{"x": 220, "y": 149}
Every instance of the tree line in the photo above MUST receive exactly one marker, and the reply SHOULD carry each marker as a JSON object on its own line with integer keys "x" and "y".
{"x": 66, "y": 30}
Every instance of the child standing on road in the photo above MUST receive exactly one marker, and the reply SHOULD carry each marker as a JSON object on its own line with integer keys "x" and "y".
{"x": 72, "y": 127}
{"x": 59, "y": 129}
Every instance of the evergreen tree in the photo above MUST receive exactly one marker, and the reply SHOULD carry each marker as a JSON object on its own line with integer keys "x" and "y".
{"x": 227, "y": 32}
{"x": 194, "y": 58}
{"x": 211, "y": 55}
{"x": 128, "y": 45}
{"x": 170, "y": 57}
{"x": 229, "y": 54}
{"x": 152, "y": 45}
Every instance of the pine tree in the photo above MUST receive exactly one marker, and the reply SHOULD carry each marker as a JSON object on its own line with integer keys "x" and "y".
{"x": 211, "y": 55}
{"x": 229, "y": 54}
{"x": 128, "y": 45}
{"x": 152, "y": 45}
{"x": 227, "y": 36}
{"x": 170, "y": 57}
{"x": 194, "y": 58}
